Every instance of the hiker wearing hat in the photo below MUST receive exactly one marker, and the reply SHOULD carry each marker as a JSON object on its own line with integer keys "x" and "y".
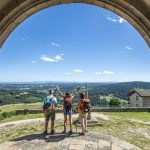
{"x": 49, "y": 104}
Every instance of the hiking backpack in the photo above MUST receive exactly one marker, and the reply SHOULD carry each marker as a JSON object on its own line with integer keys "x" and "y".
{"x": 47, "y": 103}
{"x": 67, "y": 103}
{"x": 86, "y": 105}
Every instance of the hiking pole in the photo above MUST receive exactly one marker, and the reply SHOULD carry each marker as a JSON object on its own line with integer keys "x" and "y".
{"x": 87, "y": 95}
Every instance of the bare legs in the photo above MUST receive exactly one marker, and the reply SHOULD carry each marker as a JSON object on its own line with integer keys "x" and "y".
{"x": 70, "y": 122}
{"x": 46, "y": 125}
{"x": 52, "y": 125}
{"x": 65, "y": 123}
{"x": 84, "y": 123}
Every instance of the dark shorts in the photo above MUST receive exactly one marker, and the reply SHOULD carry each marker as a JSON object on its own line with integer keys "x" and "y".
{"x": 67, "y": 111}
{"x": 50, "y": 115}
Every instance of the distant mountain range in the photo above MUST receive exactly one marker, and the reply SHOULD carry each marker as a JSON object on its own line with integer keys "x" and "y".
{"x": 55, "y": 82}
{"x": 12, "y": 92}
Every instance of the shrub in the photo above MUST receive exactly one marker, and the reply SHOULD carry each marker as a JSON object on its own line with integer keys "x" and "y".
{"x": 7, "y": 114}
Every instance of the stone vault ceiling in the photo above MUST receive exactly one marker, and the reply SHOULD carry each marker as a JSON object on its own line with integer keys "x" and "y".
{"x": 13, "y": 12}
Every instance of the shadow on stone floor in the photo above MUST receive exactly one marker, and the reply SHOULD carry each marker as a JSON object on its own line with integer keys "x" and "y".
{"x": 58, "y": 136}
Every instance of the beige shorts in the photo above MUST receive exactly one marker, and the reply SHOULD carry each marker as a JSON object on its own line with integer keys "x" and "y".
{"x": 50, "y": 115}
{"x": 82, "y": 116}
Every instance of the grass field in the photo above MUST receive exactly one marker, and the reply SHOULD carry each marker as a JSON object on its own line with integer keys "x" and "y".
{"x": 22, "y": 117}
{"x": 6, "y": 108}
{"x": 144, "y": 116}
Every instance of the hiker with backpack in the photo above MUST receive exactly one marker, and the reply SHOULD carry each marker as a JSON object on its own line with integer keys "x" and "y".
{"x": 83, "y": 107}
{"x": 67, "y": 108}
{"x": 49, "y": 104}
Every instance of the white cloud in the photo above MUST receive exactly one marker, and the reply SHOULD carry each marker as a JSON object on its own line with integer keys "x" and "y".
{"x": 34, "y": 62}
{"x": 62, "y": 54}
{"x": 98, "y": 73}
{"x": 111, "y": 19}
{"x": 55, "y": 44}
{"x": 48, "y": 59}
{"x": 129, "y": 48}
{"x": 121, "y": 20}
{"x": 116, "y": 19}
{"x": 77, "y": 70}
{"x": 68, "y": 73}
{"x": 58, "y": 57}
{"x": 108, "y": 72}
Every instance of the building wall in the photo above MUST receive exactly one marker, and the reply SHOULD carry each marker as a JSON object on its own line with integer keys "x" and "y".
{"x": 146, "y": 101}
{"x": 136, "y": 100}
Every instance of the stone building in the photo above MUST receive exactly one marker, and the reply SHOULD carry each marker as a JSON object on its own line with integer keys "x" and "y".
{"x": 139, "y": 98}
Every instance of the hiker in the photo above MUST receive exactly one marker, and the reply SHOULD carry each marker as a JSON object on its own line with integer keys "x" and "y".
{"x": 49, "y": 104}
{"x": 83, "y": 107}
{"x": 67, "y": 108}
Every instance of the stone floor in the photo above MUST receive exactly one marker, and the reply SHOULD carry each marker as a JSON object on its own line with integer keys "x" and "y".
{"x": 59, "y": 141}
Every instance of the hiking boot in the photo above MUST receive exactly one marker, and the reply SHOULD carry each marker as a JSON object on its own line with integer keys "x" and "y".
{"x": 85, "y": 131}
{"x": 64, "y": 131}
{"x": 70, "y": 132}
{"x": 52, "y": 132}
{"x": 45, "y": 132}
{"x": 81, "y": 133}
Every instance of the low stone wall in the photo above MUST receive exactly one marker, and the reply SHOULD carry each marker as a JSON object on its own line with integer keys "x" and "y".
{"x": 93, "y": 109}
{"x": 33, "y": 111}
{"x": 119, "y": 109}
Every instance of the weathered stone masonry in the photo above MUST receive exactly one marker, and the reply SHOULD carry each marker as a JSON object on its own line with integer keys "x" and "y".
{"x": 13, "y": 12}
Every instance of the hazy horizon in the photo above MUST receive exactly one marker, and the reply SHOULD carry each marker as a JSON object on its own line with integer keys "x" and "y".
{"x": 68, "y": 82}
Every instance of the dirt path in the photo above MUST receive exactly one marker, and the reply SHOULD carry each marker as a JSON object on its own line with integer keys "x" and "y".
{"x": 59, "y": 116}
{"x": 139, "y": 121}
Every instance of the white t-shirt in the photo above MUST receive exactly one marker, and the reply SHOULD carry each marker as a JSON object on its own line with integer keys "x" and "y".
{"x": 54, "y": 100}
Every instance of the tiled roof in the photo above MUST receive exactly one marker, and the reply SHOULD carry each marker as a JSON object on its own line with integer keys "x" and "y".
{"x": 141, "y": 92}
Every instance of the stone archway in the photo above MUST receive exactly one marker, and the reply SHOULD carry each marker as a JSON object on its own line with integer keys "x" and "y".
{"x": 13, "y": 12}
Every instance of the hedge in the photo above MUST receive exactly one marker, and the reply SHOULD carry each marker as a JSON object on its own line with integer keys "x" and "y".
{"x": 7, "y": 114}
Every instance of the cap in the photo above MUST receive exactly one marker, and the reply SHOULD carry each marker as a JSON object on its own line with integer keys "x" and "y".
{"x": 51, "y": 91}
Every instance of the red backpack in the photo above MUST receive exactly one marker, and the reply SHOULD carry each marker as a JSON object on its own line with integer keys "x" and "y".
{"x": 86, "y": 105}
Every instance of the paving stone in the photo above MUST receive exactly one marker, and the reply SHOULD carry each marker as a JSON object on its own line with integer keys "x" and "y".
{"x": 77, "y": 142}
{"x": 116, "y": 147}
{"x": 57, "y": 141}
{"x": 75, "y": 147}
{"x": 103, "y": 143}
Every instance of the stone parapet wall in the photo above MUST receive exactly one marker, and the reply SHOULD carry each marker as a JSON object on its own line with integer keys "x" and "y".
{"x": 4, "y": 115}
{"x": 118, "y": 109}
{"x": 97, "y": 109}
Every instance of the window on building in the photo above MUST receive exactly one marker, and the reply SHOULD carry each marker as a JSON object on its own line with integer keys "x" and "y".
{"x": 137, "y": 98}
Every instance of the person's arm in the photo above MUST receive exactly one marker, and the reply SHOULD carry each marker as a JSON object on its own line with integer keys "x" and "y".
{"x": 60, "y": 91}
{"x": 55, "y": 101}
{"x": 72, "y": 96}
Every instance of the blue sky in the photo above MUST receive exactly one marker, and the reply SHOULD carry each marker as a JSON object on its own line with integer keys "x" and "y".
{"x": 75, "y": 42}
